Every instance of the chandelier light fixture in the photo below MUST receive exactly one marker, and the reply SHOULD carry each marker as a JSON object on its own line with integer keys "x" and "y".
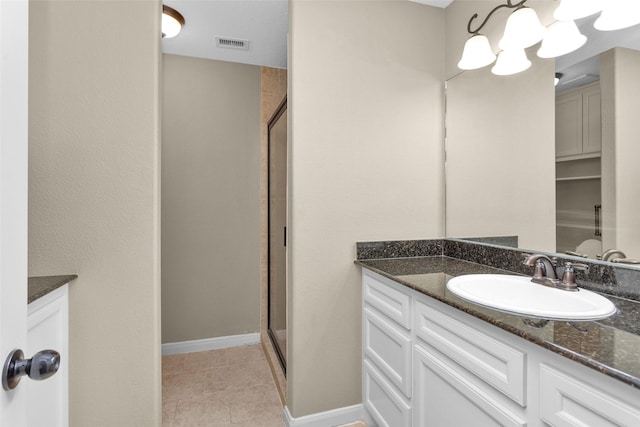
{"x": 477, "y": 51}
{"x": 523, "y": 29}
{"x": 172, "y": 22}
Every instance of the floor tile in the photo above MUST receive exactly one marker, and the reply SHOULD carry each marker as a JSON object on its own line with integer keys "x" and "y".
{"x": 245, "y": 354}
{"x": 201, "y": 412}
{"x": 220, "y": 388}
{"x": 182, "y": 386}
{"x": 203, "y": 360}
{"x": 172, "y": 364}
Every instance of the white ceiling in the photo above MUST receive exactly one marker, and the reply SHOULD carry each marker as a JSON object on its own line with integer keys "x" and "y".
{"x": 437, "y": 3}
{"x": 583, "y": 66}
{"x": 263, "y": 22}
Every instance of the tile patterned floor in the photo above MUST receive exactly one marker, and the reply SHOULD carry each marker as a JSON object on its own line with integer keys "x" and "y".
{"x": 219, "y": 388}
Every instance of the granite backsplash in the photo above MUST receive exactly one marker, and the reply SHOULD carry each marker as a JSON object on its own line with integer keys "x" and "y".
{"x": 621, "y": 281}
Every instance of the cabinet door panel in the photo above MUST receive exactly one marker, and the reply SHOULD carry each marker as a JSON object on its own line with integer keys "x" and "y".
{"x": 444, "y": 398}
{"x": 569, "y": 125}
{"x": 389, "y": 348}
{"x": 394, "y": 304}
{"x": 499, "y": 365}
{"x": 566, "y": 401}
{"x": 592, "y": 120}
{"x": 384, "y": 404}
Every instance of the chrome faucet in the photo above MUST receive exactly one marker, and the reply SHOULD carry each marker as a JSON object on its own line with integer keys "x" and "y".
{"x": 609, "y": 254}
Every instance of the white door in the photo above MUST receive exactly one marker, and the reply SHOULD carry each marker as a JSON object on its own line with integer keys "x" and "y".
{"x": 14, "y": 37}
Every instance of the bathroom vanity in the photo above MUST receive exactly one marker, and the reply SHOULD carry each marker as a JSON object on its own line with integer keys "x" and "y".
{"x": 431, "y": 358}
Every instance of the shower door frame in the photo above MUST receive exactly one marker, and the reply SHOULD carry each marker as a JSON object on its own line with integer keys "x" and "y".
{"x": 282, "y": 108}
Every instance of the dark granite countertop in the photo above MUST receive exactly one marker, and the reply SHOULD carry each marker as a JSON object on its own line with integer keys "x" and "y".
{"x": 42, "y": 285}
{"x": 610, "y": 346}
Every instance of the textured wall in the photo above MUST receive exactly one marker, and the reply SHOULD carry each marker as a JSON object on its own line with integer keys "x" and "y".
{"x": 210, "y": 199}
{"x": 94, "y": 197}
{"x": 366, "y": 115}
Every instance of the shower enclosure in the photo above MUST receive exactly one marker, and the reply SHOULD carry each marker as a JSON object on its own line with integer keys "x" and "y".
{"x": 277, "y": 208}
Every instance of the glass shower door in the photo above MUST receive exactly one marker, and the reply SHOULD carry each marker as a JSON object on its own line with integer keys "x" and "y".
{"x": 277, "y": 200}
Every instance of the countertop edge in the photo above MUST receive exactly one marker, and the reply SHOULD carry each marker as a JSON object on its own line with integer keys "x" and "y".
{"x": 40, "y": 286}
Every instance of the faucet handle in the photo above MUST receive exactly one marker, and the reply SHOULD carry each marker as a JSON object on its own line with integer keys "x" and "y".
{"x": 539, "y": 271}
{"x": 578, "y": 266}
{"x": 568, "y": 282}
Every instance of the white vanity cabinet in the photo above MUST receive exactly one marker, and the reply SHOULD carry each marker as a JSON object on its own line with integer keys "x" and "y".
{"x": 579, "y": 121}
{"x": 464, "y": 371}
{"x": 568, "y": 398}
{"x": 458, "y": 366}
{"x": 47, "y": 328}
{"x": 386, "y": 348}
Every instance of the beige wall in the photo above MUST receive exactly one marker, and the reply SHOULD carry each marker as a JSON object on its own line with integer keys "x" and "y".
{"x": 94, "y": 197}
{"x": 210, "y": 199}
{"x": 365, "y": 114}
{"x": 500, "y": 140}
{"x": 620, "y": 150}
{"x": 501, "y": 156}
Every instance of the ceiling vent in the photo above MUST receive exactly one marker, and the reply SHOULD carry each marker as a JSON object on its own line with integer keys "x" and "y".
{"x": 228, "y": 43}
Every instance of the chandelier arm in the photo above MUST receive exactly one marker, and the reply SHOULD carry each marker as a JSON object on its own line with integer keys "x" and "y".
{"x": 475, "y": 15}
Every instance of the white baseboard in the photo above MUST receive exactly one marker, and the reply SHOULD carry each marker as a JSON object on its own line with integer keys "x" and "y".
{"x": 210, "y": 344}
{"x": 335, "y": 417}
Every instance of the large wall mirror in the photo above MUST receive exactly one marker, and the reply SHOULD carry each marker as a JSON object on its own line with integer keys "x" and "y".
{"x": 553, "y": 169}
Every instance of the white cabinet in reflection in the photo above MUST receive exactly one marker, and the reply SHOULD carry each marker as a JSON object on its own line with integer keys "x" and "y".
{"x": 579, "y": 121}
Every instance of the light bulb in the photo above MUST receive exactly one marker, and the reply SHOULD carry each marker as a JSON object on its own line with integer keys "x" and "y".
{"x": 562, "y": 37}
{"x": 511, "y": 62}
{"x": 557, "y": 78}
{"x": 477, "y": 53}
{"x": 523, "y": 29}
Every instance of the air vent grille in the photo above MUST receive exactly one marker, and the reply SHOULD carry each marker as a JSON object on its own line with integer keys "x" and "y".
{"x": 229, "y": 43}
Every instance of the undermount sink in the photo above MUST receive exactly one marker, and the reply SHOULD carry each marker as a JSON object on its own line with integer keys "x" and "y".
{"x": 518, "y": 295}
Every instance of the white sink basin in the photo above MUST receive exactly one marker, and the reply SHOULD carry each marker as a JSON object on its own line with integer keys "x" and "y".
{"x": 518, "y": 295}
